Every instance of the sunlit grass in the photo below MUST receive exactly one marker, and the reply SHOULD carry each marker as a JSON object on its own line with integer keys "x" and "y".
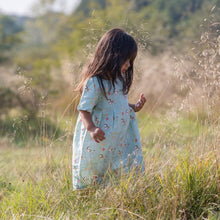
{"x": 181, "y": 178}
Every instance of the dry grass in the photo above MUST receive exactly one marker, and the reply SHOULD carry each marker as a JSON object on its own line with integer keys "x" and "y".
{"x": 181, "y": 149}
{"x": 181, "y": 179}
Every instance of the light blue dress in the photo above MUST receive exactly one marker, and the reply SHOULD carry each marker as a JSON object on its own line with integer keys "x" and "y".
{"x": 120, "y": 151}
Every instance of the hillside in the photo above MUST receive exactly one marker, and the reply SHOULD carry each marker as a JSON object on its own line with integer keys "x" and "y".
{"x": 51, "y": 49}
{"x": 177, "y": 69}
{"x": 157, "y": 23}
{"x": 168, "y": 22}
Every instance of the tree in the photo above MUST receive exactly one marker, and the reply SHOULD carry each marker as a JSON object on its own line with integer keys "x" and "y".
{"x": 10, "y": 28}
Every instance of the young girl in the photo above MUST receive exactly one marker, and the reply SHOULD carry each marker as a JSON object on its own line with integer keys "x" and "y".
{"x": 106, "y": 138}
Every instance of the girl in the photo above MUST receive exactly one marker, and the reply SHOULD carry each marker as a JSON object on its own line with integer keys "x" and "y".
{"x": 106, "y": 137}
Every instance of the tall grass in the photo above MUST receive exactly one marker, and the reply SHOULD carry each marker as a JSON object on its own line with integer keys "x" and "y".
{"x": 181, "y": 151}
{"x": 181, "y": 180}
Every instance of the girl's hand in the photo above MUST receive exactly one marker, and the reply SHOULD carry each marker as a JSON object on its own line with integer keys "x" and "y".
{"x": 140, "y": 103}
{"x": 97, "y": 134}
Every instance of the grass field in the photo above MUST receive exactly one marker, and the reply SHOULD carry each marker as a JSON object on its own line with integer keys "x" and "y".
{"x": 181, "y": 179}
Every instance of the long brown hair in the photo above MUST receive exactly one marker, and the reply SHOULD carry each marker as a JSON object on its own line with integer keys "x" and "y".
{"x": 112, "y": 51}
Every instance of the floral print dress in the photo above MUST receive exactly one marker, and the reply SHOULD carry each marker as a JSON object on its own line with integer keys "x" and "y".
{"x": 121, "y": 149}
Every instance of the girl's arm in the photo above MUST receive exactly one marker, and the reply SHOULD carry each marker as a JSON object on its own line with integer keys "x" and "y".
{"x": 96, "y": 133}
{"x": 139, "y": 105}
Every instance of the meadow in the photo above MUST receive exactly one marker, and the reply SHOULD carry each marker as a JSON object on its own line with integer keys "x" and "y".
{"x": 181, "y": 178}
{"x": 177, "y": 68}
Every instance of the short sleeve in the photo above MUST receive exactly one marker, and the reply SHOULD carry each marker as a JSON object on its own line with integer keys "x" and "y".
{"x": 90, "y": 96}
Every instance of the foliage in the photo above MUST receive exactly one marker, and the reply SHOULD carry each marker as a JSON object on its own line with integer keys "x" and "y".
{"x": 85, "y": 6}
{"x": 203, "y": 73}
{"x": 181, "y": 180}
{"x": 36, "y": 61}
{"x": 23, "y": 130}
{"x": 10, "y": 27}
{"x": 164, "y": 20}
